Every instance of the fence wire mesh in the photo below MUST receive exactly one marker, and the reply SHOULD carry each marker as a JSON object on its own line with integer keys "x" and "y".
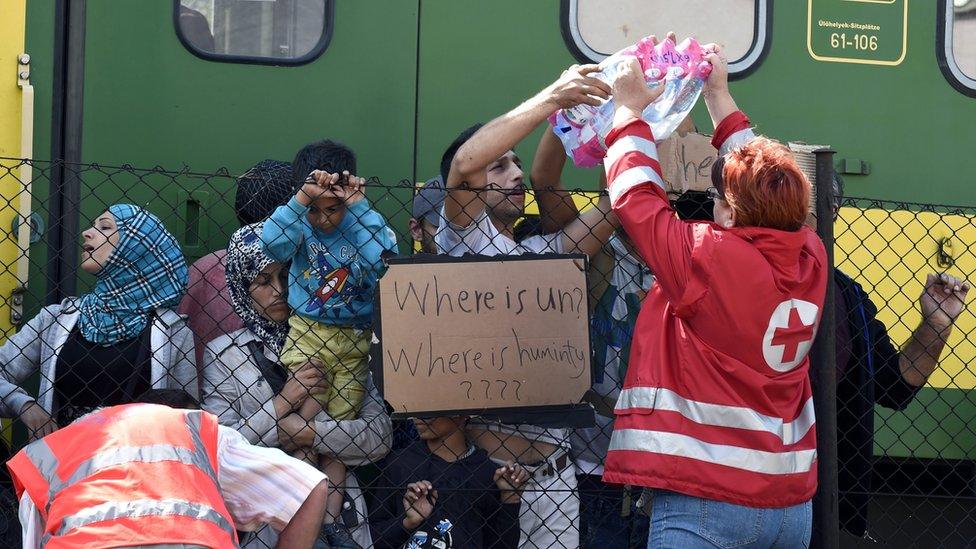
{"x": 271, "y": 333}
{"x": 905, "y": 382}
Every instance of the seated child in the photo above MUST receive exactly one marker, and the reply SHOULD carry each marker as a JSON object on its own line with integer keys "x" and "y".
{"x": 336, "y": 245}
{"x": 455, "y": 497}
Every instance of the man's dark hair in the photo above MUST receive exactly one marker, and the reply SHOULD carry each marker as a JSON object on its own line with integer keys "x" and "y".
{"x": 838, "y": 189}
{"x": 327, "y": 155}
{"x": 174, "y": 398}
{"x": 261, "y": 189}
{"x": 452, "y": 149}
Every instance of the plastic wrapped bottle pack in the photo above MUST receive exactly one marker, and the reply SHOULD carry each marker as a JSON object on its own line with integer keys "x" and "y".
{"x": 680, "y": 68}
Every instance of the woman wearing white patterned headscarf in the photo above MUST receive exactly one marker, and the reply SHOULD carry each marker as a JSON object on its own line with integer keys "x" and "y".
{"x": 249, "y": 390}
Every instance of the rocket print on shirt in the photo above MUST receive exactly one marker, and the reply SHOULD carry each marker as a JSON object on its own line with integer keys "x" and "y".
{"x": 338, "y": 278}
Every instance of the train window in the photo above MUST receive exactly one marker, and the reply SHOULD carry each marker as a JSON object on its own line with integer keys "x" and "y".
{"x": 594, "y": 29}
{"x": 957, "y": 57}
{"x": 274, "y": 32}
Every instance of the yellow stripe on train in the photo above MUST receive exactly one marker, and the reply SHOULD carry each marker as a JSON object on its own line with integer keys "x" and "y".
{"x": 890, "y": 253}
{"x": 12, "y": 31}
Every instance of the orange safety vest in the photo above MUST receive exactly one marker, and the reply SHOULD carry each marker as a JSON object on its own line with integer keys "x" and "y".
{"x": 130, "y": 475}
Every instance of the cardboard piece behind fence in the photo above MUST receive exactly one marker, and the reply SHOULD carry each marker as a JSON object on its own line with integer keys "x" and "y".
{"x": 686, "y": 161}
{"x": 477, "y": 334}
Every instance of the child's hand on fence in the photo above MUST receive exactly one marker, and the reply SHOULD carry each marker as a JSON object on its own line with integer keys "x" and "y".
{"x": 418, "y": 503}
{"x": 343, "y": 186}
{"x": 510, "y": 480}
{"x": 353, "y": 188}
{"x": 320, "y": 184}
{"x": 943, "y": 299}
{"x": 39, "y": 423}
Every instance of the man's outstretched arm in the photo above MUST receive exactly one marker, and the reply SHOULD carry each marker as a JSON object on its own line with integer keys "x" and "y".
{"x": 591, "y": 229}
{"x": 941, "y": 302}
{"x": 251, "y": 480}
{"x": 494, "y": 139}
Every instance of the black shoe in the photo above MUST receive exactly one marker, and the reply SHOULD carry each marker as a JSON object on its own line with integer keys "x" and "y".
{"x": 338, "y": 537}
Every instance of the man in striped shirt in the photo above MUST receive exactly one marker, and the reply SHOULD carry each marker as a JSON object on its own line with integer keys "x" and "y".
{"x": 486, "y": 197}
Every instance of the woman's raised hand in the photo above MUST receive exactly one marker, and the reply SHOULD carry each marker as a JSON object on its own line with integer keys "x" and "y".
{"x": 718, "y": 80}
{"x": 630, "y": 90}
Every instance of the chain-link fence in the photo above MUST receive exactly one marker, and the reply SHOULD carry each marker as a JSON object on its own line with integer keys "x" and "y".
{"x": 905, "y": 382}
{"x": 286, "y": 304}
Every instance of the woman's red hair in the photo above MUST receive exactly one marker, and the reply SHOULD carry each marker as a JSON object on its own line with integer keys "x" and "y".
{"x": 764, "y": 186}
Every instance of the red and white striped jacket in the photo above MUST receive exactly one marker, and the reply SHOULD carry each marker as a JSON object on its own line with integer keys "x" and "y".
{"x": 717, "y": 401}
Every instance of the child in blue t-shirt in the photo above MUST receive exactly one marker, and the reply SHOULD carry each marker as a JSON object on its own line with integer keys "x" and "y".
{"x": 336, "y": 244}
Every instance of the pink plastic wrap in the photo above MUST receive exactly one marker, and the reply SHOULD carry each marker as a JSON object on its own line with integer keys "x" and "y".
{"x": 681, "y": 68}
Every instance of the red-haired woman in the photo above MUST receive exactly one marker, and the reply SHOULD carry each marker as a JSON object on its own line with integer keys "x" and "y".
{"x": 716, "y": 413}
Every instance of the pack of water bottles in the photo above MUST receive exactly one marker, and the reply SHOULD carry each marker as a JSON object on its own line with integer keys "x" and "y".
{"x": 680, "y": 68}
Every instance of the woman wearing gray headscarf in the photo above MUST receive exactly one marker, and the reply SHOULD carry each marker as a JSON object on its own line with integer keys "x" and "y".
{"x": 246, "y": 387}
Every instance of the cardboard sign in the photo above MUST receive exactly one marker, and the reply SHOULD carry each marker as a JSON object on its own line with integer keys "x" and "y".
{"x": 686, "y": 161}
{"x": 462, "y": 335}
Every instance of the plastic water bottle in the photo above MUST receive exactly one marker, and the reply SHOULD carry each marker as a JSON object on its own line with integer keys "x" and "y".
{"x": 681, "y": 69}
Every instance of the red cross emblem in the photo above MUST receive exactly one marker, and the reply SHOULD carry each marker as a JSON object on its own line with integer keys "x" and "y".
{"x": 790, "y": 334}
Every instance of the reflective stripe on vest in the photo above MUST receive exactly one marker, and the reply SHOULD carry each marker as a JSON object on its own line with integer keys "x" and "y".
{"x": 43, "y": 458}
{"x": 642, "y": 438}
{"x": 194, "y": 424}
{"x": 114, "y": 510}
{"x": 46, "y": 463}
{"x": 737, "y": 417}
{"x": 685, "y": 446}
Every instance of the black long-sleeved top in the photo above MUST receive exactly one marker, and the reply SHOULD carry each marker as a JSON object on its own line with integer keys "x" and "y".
{"x": 89, "y": 375}
{"x": 872, "y": 375}
{"x": 467, "y": 497}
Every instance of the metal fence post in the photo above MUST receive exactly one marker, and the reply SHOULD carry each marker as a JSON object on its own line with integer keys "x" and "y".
{"x": 65, "y": 202}
{"x": 824, "y": 372}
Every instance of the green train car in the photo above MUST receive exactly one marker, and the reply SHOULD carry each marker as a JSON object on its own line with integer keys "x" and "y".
{"x": 211, "y": 84}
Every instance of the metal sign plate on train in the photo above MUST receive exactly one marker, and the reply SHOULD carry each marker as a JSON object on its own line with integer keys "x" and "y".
{"x": 872, "y": 32}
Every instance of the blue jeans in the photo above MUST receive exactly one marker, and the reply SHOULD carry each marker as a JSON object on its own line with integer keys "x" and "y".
{"x": 601, "y": 523}
{"x": 678, "y": 520}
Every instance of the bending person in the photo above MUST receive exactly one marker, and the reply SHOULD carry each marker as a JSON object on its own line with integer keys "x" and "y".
{"x": 110, "y": 345}
{"x": 716, "y": 413}
{"x": 250, "y": 391}
{"x": 133, "y": 486}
